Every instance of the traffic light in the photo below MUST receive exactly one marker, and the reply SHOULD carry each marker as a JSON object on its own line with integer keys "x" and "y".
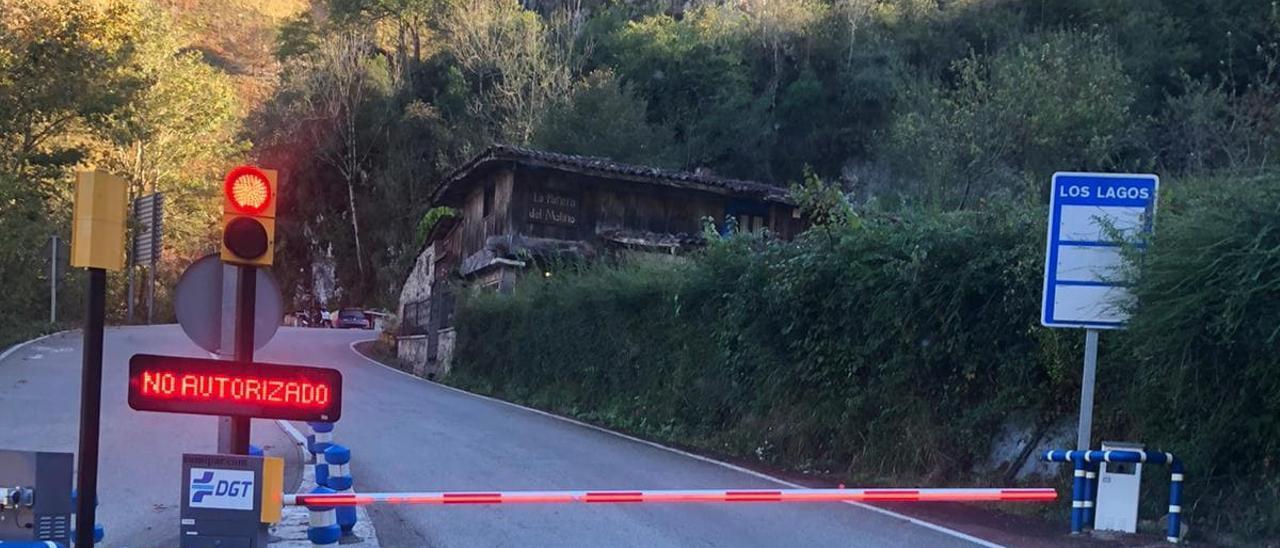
{"x": 249, "y": 216}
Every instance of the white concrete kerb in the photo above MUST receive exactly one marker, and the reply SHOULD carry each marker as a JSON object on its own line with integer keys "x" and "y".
{"x": 24, "y": 344}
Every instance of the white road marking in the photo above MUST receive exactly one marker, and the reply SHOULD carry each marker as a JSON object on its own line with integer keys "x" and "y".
{"x": 21, "y": 345}
{"x": 734, "y": 467}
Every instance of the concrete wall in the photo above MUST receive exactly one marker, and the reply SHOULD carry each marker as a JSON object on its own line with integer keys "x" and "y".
{"x": 417, "y": 287}
{"x": 444, "y": 354}
{"x": 413, "y": 350}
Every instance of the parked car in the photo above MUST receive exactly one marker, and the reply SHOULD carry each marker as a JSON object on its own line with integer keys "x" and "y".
{"x": 351, "y": 317}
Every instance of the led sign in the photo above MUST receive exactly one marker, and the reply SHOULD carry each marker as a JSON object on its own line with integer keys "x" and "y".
{"x": 173, "y": 384}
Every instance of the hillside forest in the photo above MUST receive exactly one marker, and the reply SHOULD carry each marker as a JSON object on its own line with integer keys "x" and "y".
{"x": 364, "y": 104}
{"x": 902, "y": 125}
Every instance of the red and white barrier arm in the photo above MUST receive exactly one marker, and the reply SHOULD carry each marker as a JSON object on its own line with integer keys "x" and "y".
{"x": 700, "y": 495}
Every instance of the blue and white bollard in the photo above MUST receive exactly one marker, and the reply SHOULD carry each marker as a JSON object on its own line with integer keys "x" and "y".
{"x": 1077, "y": 494}
{"x": 340, "y": 480}
{"x": 1090, "y": 493}
{"x": 255, "y": 451}
{"x": 322, "y": 525}
{"x": 99, "y": 532}
{"x": 1175, "y": 499}
{"x": 323, "y": 438}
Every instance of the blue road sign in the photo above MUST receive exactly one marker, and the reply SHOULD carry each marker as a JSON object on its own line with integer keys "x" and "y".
{"x": 1091, "y": 216}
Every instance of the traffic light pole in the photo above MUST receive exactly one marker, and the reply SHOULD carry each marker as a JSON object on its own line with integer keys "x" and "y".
{"x": 90, "y": 408}
{"x": 246, "y": 298}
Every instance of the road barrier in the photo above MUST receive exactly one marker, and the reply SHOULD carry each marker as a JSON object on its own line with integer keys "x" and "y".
{"x": 1084, "y": 484}
{"x": 1035, "y": 494}
{"x": 326, "y": 505}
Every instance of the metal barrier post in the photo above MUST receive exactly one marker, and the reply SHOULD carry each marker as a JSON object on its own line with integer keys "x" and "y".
{"x": 1175, "y": 501}
{"x": 1084, "y": 489}
{"x": 1090, "y": 493}
{"x": 1077, "y": 492}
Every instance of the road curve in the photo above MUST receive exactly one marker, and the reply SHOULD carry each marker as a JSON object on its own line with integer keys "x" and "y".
{"x": 141, "y": 453}
{"x": 408, "y": 434}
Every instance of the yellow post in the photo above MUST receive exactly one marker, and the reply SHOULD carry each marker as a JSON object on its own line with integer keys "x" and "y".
{"x": 98, "y": 221}
{"x": 272, "y": 495}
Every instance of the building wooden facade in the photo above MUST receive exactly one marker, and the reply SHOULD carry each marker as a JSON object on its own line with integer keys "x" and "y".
{"x": 519, "y": 207}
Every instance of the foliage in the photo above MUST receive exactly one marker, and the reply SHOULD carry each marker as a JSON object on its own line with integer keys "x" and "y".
{"x": 603, "y": 117}
{"x": 1203, "y": 374}
{"x": 1059, "y": 103}
{"x": 897, "y": 348}
{"x": 429, "y": 221}
{"x": 796, "y": 354}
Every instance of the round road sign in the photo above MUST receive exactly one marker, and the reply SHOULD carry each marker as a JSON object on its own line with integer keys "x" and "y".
{"x": 206, "y": 314}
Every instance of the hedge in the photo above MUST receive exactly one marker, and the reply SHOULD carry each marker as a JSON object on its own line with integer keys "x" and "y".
{"x": 894, "y": 348}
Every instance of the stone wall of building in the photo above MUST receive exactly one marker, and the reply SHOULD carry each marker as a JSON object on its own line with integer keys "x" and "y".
{"x": 444, "y": 354}
{"x": 412, "y": 348}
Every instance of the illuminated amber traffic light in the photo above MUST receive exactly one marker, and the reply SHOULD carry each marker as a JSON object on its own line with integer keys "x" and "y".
{"x": 249, "y": 216}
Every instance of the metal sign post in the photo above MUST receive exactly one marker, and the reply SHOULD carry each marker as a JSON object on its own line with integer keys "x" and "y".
{"x": 1085, "y": 428}
{"x": 97, "y": 243}
{"x": 1092, "y": 217}
{"x": 246, "y": 294}
{"x": 53, "y": 279}
{"x": 90, "y": 407}
{"x": 148, "y": 227}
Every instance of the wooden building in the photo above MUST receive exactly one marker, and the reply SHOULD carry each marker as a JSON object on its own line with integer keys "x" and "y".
{"x": 522, "y": 207}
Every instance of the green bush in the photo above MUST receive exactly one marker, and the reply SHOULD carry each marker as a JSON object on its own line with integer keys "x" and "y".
{"x": 892, "y": 349}
{"x": 1202, "y": 371}
{"x": 880, "y": 351}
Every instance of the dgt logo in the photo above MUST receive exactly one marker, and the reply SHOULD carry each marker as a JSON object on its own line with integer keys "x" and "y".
{"x": 222, "y": 489}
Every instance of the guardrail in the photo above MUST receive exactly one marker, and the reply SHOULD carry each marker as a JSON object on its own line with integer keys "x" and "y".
{"x": 1084, "y": 485}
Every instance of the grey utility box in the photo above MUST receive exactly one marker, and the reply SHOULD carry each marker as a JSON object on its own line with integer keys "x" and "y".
{"x": 1118, "y": 483}
{"x": 228, "y": 499}
{"x": 35, "y": 496}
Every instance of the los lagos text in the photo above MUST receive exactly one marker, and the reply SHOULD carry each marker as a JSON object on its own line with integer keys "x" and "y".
{"x": 1105, "y": 192}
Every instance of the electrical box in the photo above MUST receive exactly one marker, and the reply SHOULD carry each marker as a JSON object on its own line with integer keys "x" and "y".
{"x": 35, "y": 496}
{"x": 1118, "y": 484}
{"x": 227, "y": 500}
{"x": 98, "y": 221}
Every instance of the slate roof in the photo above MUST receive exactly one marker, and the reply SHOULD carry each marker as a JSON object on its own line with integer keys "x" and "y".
{"x": 606, "y": 168}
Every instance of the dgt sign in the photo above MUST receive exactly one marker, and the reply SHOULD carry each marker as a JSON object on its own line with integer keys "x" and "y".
{"x": 226, "y": 499}
{"x": 222, "y": 489}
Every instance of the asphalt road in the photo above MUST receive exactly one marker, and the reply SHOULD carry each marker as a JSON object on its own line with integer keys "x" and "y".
{"x": 141, "y": 454}
{"x": 406, "y": 434}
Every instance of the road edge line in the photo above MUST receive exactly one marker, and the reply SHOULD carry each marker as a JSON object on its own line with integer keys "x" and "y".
{"x": 761, "y": 475}
{"x": 19, "y": 346}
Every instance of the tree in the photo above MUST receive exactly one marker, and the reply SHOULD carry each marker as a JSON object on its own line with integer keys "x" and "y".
{"x": 64, "y": 67}
{"x": 603, "y": 117}
{"x": 336, "y": 87}
{"x": 514, "y": 72}
{"x": 177, "y": 135}
{"x": 1056, "y": 103}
